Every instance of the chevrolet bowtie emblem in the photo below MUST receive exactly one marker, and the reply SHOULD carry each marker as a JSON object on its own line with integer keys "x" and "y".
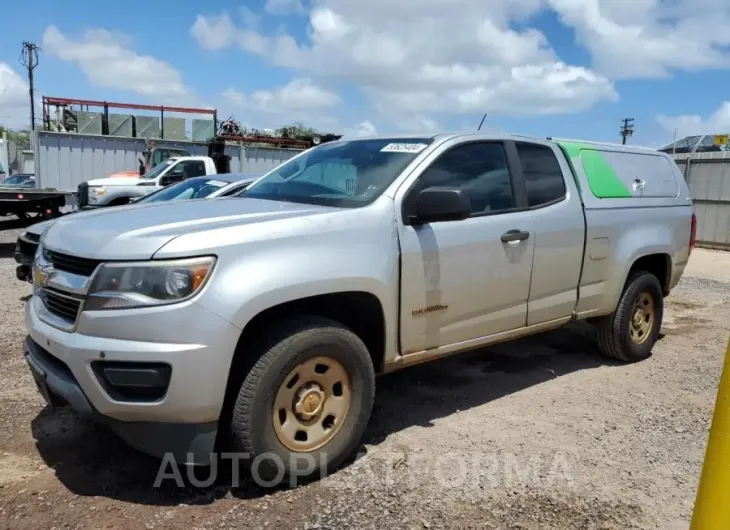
{"x": 41, "y": 273}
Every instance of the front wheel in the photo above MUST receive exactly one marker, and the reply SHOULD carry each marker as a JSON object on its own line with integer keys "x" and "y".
{"x": 629, "y": 333}
{"x": 304, "y": 405}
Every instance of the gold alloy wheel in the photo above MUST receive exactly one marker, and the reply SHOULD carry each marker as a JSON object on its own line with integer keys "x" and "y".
{"x": 642, "y": 318}
{"x": 311, "y": 404}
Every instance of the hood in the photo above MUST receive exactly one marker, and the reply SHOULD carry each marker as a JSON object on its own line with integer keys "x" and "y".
{"x": 139, "y": 230}
{"x": 129, "y": 174}
{"x": 38, "y": 228}
{"x": 115, "y": 181}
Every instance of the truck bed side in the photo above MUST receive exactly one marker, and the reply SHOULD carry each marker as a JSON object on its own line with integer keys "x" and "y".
{"x": 626, "y": 227}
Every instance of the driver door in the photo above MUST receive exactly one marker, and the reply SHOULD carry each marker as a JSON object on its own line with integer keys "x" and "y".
{"x": 460, "y": 281}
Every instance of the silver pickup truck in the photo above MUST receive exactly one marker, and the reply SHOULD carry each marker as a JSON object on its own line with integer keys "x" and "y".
{"x": 262, "y": 321}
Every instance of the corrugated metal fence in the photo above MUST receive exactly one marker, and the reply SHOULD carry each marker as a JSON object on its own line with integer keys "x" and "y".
{"x": 708, "y": 177}
{"x": 65, "y": 160}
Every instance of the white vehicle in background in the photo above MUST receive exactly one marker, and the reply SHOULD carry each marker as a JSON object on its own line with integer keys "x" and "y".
{"x": 117, "y": 191}
{"x": 222, "y": 185}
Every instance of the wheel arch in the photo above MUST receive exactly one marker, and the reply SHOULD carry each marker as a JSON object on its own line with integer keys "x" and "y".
{"x": 658, "y": 264}
{"x": 361, "y": 311}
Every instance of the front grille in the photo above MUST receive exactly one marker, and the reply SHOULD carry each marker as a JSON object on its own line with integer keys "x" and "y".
{"x": 72, "y": 264}
{"x": 60, "y": 305}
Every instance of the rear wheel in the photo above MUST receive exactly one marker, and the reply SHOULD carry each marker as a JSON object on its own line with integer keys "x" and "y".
{"x": 629, "y": 333}
{"x": 303, "y": 407}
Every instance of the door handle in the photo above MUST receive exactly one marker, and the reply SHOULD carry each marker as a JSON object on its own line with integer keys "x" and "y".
{"x": 514, "y": 235}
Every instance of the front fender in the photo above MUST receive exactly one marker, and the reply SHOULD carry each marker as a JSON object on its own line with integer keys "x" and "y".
{"x": 281, "y": 261}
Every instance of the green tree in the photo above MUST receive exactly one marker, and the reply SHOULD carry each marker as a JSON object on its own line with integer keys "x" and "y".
{"x": 20, "y": 138}
{"x": 298, "y": 129}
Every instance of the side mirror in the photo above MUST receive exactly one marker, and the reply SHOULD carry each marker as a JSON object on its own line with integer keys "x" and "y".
{"x": 441, "y": 203}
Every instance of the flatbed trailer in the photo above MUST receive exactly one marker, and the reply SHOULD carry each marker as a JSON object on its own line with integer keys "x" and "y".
{"x": 29, "y": 202}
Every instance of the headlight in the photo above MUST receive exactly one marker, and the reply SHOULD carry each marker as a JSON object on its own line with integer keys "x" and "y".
{"x": 96, "y": 193}
{"x": 148, "y": 283}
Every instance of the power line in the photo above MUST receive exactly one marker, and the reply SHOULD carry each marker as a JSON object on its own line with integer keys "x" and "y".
{"x": 29, "y": 59}
{"x": 7, "y": 85}
{"x": 627, "y": 129}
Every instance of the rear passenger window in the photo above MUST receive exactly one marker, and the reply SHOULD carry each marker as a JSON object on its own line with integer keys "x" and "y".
{"x": 478, "y": 168}
{"x": 543, "y": 176}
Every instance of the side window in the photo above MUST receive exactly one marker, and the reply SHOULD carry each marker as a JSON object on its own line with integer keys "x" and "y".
{"x": 188, "y": 169}
{"x": 195, "y": 168}
{"x": 478, "y": 168}
{"x": 543, "y": 176}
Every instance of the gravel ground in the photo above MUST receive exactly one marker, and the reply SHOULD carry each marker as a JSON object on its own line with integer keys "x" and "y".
{"x": 540, "y": 433}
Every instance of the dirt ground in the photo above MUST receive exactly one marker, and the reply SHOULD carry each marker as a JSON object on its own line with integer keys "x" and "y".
{"x": 541, "y": 433}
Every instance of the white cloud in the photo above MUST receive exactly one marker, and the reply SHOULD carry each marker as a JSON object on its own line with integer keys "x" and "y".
{"x": 250, "y": 19}
{"x": 214, "y": 32}
{"x": 687, "y": 125}
{"x": 419, "y": 124}
{"x": 430, "y": 58}
{"x": 14, "y": 102}
{"x": 364, "y": 128}
{"x": 284, "y": 7}
{"x": 650, "y": 38}
{"x": 299, "y": 100}
{"x": 108, "y": 61}
{"x": 297, "y": 95}
{"x": 425, "y": 58}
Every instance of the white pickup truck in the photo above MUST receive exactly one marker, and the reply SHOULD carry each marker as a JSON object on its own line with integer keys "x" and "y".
{"x": 116, "y": 191}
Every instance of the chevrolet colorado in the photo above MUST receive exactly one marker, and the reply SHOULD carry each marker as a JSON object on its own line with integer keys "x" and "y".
{"x": 262, "y": 321}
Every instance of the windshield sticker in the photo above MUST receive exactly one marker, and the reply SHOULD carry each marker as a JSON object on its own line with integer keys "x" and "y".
{"x": 403, "y": 148}
{"x": 216, "y": 183}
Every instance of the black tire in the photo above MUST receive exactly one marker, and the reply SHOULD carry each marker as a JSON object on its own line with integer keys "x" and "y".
{"x": 252, "y": 423}
{"x": 613, "y": 331}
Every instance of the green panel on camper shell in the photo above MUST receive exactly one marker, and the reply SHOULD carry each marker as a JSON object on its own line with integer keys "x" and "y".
{"x": 602, "y": 179}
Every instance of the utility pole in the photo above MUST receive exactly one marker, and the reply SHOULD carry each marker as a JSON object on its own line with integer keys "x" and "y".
{"x": 29, "y": 59}
{"x": 627, "y": 129}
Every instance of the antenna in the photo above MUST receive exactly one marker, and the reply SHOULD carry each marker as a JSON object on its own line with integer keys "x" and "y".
{"x": 481, "y": 122}
{"x": 29, "y": 59}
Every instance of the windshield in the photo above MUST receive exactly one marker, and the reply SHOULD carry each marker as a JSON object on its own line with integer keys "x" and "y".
{"x": 345, "y": 174}
{"x": 18, "y": 180}
{"x": 194, "y": 188}
{"x": 159, "y": 168}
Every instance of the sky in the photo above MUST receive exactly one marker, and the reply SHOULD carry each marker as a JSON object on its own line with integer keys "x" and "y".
{"x": 560, "y": 68}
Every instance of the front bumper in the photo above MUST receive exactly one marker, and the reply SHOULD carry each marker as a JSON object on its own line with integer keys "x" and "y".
{"x": 197, "y": 345}
{"x": 190, "y": 443}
